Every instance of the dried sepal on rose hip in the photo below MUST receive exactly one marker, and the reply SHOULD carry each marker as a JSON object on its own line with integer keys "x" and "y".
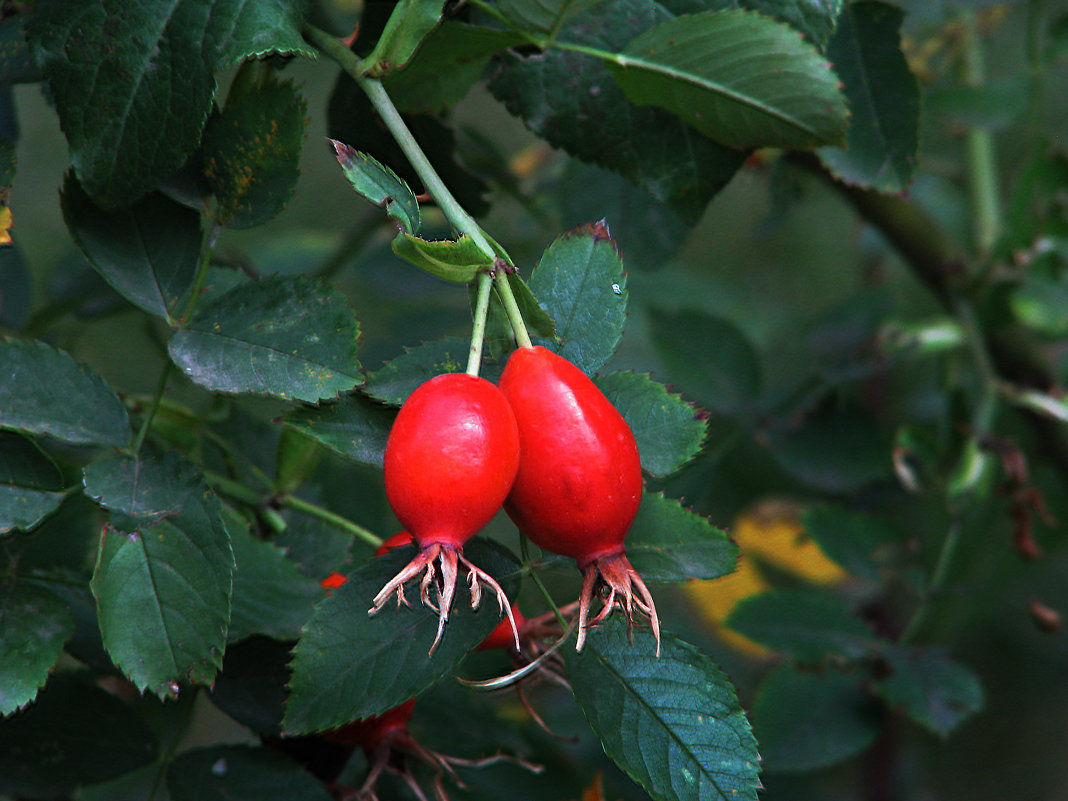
{"x": 450, "y": 460}
{"x": 579, "y": 482}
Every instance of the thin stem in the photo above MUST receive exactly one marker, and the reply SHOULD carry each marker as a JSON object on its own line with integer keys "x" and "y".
{"x": 234, "y": 489}
{"x": 336, "y": 520}
{"x": 146, "y": 424}
{"x": 511, "y": 309}
{"x": 524, "y": 550}
{"x": 938, "y": 579}
{"x": 478, "y": 332}
{"x": 979, "y": 145}
{"x": 207, "y": 244}
{"x": 990, "y": 383}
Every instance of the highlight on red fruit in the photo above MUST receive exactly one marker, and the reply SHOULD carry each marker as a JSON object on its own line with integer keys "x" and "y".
{"x": 579, "y": 482}
{"x": 450, "y": 460}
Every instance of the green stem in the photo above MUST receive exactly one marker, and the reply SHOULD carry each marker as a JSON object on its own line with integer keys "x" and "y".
{"x": 979, "y": 146}
{"x": 478, "y": 332}
{"x": 511, "y": 309}
{"x": 207, "y": 244}
{"x": 990, "y": 383}
{"x": 234, "y": 489}
{"x": 336, "y": 520}
{"x": 146, "y": 424}
{"x": 938, "y": 579}
{"x": 524, "y": 550}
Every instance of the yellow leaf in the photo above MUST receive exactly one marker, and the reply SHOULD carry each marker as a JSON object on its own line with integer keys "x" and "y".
{"x": 715, "y": 599}
{"x": 5, "y": 225}
{"x": 773, "y": 534}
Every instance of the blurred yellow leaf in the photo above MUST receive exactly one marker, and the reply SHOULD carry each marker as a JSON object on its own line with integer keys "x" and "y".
{"x": 5, "y": 225}
{"x": 715, "y": 599}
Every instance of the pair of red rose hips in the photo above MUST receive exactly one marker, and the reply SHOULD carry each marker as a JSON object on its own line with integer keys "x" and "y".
{"x": 545, "y": 443}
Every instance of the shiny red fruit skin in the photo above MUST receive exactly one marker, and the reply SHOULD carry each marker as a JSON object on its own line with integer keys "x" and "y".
{"x": 579, "y": 482}
{"x": 450, "y": 459}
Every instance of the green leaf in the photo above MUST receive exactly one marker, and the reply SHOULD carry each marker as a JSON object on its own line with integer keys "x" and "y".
{"x": 31, "y": 486}
{"x": 379, "y": 184}
{"x": 739, "y": 78}
{"x": 572, "y": 101}
{"x": 884, "y": 100}
{"x": 34, "y": 626}
{"x": 807, "y": 721}
{"x": 1039, "y": 304}
{"x": 45, "y": 391}
{"x": 298, "y": 458}
{"x": 270, "y": 597}
{"x": 291, "y": 338}
{"x": 709, "y": 359}
{"x": 17, "y": 299}
{"x": 673, "y": 723}
{"x": 668, "y": 542}
{"x": 350, "y": 665}
{"x": 133, "y": 85}
{"x": 448, "y": 63}
{"x": 933, "y": 690}
{"x": 408, "y": 24}
{"x": 241, "y": 773}
{"x": 398, "y": 379}
{"x": 816, "y": 19}
{"x": 251, "y": 688}
{"x": 354, "y": 426}
{"x": 669, "y": 430}
{"x": 73, "y": 734}
{"x": 852, "y": 539}
{"x": 147, "y": 252}
{"x": 537, "y": 319}
{"x": 542, "y": 16}
{"x": 807, "y": 624}
{"x": 164, "y": 571}
{"x": 252, "y": 149}
{"x": 458, "y": 261}
{"x": 16, "y": 60}
{"x": 581, "y": 284}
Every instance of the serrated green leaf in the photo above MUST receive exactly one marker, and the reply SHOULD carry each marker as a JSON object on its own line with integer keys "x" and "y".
{"x": 672, "y": 723}
{"x": 164, "y": 571}
{"x": 251, "y": 150}
{"x": 458, "y": 261}
{"x": 739, "y": 78}
{"x": 270, "y": 596}
{"x": 354, "y": 426}
{"x": 123, "y": 76}
{"x": 16, "y": 60}
{"x": 807, "y": 624}
{"x": 408, "y": 24}
{"x": 34, "y": 626}
{"x": 448, "y": 63}
{"x": 573, "y": 102}
{"x": 933, "y": 690}
{"x": 31, "y": 486}
{"x": 542, "y": 16}
{"x": 816, "y": 19}
{"x": 807, "y": 721}
{"x": 241, "y": 773}
{"x": 74, "y": 733}
{"x": 398, "y": 379}
{"x": 251, "y": 688}
{"x": 669, "y": 429}
{"x": 709, "y": 358}
{"x": 38, "y": 391}
{"x": 379, "y": 184}
{"x": 884, "y": 100}
{"x": 851, "y": 539}
{"x": 535, "y": 317}
{"x": 291, "y": 338}
{"x": 147, "y": 252}
{"x": 668, "y": 542}
{"x": 581, "y": 284}
{"x": 350, "y": 665}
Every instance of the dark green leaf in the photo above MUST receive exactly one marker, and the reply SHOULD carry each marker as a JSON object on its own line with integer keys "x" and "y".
{"x": 164, "y": 571}
{"x": 807, "y": 721}
{"x": 458, "y": 261}
{"x": 16, "y": 60}
{"x": 45, "y": 391}
{"x": 542, "y": 15}
{"x": 933, "y": 690}
{"x": 536, "y": 318}
{"x": 709, "y": 359}
{"x": 581, "y": 284}
{"x": 668, "y": 542}
{"x": 408, "y": 24}
{"x": 399, "y": 378}
{"x": 852, "y": 539}
{"x": 241, "y": 773}
{"x": 30, "y": 483}
{"x": 17, "y": 298}
{"x": 816, "y": 19}
{"x": 298, "y": 457}
{"x": 124, "y": 76}
{"x": 739, "y": 78}
{"x": 1039, "y": 303}
{"x": 379, "y": 184}
{"x": 807, "y": 624}
{"x": 252, "y": 149}
{"x": 34, "y": 626}
{"x": 884, "y": 99}
{"x": 292, "y": 338}
{"x": 354, "y": 426}
{"x": 252, "y": 685}
{"x": 271, "y": 597}
{"x": 672, "y": 723}
{"x": 73, "y": 734}
{"x": 446, "y": 66}
{"x": 572, "y": 101}
{"x": 350, "y": 665}
{"x": 669, "y": 430}
{"x": 147, "y": 252}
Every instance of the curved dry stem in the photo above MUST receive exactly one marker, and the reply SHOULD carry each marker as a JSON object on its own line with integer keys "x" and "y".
{"x": 477, "y": 576}
{"x": 623, "y": 582}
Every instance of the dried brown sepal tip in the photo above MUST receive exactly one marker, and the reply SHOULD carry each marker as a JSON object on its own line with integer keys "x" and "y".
{"x": 440, "y": 565}
{"x": 625, "y": 589}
